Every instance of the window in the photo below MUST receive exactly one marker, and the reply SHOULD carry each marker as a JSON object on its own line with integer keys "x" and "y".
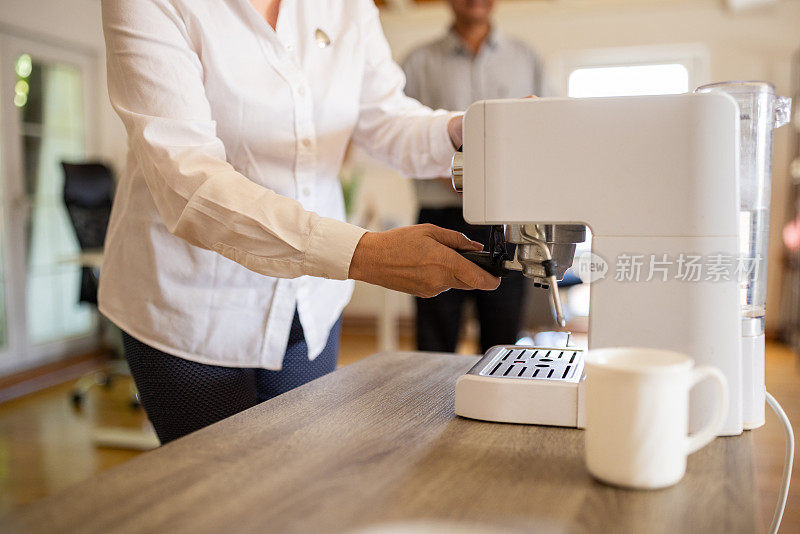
{"x": 632, "y": 71}
{"x": 628, "y": 80}
{"x": 46, "y": 118}
{"x": 52, "y": 127}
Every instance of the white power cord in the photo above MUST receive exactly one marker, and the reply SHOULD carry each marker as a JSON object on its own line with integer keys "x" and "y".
{"x": 787, "y": 463}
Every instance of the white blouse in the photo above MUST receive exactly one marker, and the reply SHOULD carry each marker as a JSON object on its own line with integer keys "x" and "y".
{"x": 229, "y": 214}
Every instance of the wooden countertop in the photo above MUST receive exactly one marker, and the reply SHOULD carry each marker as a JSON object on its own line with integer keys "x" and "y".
{"x": 377, "y": 444}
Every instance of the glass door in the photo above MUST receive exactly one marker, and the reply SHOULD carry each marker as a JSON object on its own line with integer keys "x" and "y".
{"x": 45, "y": 120}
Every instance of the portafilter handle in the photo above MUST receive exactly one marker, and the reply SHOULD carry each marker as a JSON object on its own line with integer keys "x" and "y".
{"x": 496, "y": 260}
{"x": 493, "y": 265}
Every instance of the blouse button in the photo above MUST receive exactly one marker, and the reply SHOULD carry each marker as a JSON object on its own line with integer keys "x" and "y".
{"x": 306, "y": 142}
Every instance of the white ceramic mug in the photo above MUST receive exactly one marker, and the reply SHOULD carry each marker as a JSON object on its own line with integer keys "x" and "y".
{"x": 637, "y": 415}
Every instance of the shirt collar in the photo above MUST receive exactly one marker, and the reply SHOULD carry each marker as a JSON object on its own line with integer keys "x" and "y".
{"x": 456, "y": 44}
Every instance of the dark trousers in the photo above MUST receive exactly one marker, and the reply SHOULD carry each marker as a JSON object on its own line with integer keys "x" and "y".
{"x": 181, "y": 396}
{"x": 499, "y": 311}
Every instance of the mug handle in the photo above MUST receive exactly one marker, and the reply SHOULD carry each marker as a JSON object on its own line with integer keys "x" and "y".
{"x": 704, "y": 436}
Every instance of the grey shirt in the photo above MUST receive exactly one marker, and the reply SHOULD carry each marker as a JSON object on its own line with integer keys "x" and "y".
{"x": 445, "y": 74}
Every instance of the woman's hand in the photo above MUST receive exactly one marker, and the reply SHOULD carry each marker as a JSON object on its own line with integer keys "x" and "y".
{"x": 421, "y": 260}
{"x": 455, "y": 128}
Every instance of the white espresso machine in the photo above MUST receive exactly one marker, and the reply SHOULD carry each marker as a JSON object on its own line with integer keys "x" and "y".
{"x": 675, "y": 190}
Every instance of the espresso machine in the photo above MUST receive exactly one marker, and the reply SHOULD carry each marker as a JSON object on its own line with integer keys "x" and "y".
{"x": 658, "y": 179}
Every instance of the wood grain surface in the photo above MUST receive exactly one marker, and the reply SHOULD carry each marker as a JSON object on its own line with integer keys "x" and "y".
{"x": 375, "y": 447}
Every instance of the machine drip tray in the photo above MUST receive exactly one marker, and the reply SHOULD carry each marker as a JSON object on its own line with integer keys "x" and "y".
{"x": 529, "y": 385}
{"x": 534, "y": 363}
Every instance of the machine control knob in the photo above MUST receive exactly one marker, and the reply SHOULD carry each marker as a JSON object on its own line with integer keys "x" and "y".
{"x": 457, "y": 170}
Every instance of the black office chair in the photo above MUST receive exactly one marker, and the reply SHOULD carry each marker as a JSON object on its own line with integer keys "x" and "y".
{"x": 88, "y": 196}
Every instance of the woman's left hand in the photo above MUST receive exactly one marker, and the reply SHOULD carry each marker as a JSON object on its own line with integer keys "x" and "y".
{"x": 455, "y": 127}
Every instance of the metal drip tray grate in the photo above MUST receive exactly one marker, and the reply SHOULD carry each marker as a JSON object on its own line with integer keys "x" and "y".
{"x": 536, "y": 364}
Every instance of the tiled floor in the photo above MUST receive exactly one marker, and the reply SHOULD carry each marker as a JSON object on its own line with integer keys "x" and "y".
{"x": 46, "y": 446}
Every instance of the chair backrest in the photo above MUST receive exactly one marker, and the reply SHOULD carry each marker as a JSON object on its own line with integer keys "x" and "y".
{"x": 88, "y": 196}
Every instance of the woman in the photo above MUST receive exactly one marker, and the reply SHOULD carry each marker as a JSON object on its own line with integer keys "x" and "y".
{"x": 227, "y": 258}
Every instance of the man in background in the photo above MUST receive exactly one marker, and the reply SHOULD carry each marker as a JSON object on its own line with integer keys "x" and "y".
{"x": 472, "y": 61}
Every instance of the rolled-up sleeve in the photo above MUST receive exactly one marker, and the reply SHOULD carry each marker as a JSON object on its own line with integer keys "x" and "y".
{"x": 156, "y": 86}
{"x": 392, "y": 127}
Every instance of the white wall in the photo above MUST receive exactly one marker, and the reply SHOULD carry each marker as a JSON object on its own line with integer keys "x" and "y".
{"x": 754, "y": 44}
